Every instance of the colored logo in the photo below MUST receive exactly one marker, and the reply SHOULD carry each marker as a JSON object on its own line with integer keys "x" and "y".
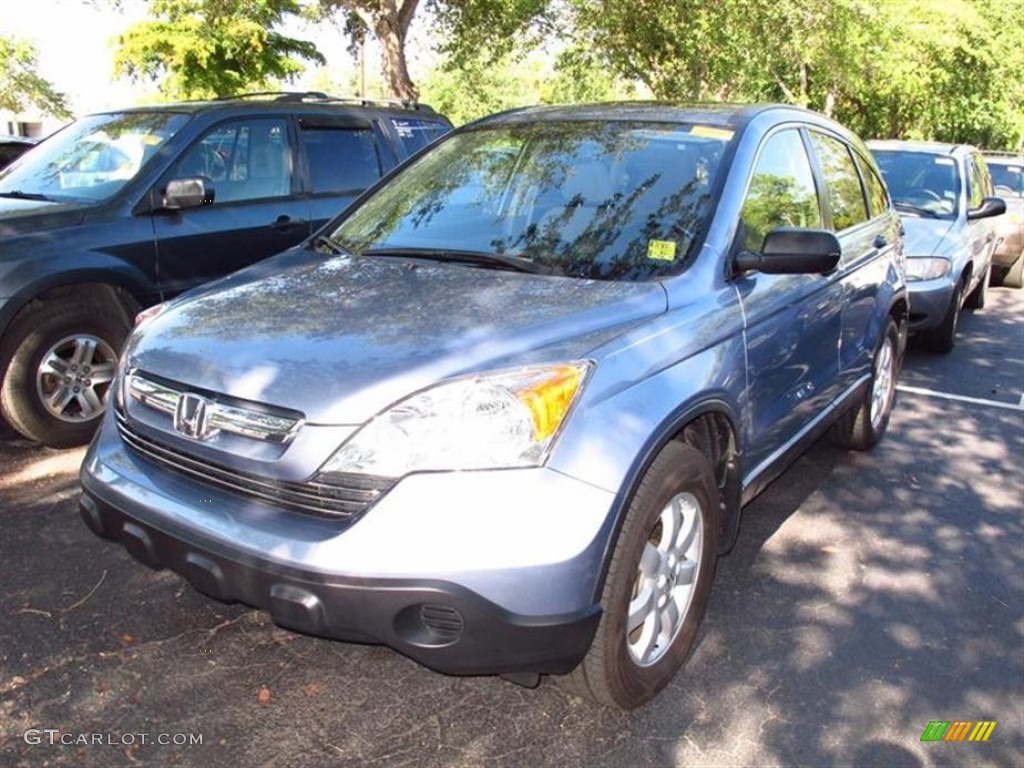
{"x": 959, "y": 730}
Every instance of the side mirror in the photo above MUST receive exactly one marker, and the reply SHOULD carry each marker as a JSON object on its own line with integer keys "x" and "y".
{"x": 788, "y": 251}
{"x": 187, "y": 193}
{"x": 990, "y": 206}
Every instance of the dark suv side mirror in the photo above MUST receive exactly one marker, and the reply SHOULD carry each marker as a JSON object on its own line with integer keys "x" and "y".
{"x": 990, "y": 206}
{"x": 789, "y": 251}
{"x": 187, "y": 193}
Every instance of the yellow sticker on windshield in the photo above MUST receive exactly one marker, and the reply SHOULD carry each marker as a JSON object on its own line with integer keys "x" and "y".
{"x": 710, "y": 132}
{"x": 661, "y": 250}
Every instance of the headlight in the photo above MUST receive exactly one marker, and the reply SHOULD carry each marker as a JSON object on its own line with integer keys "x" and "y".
{"x": 487, "y": 421}
{"x": 926, "y": 268}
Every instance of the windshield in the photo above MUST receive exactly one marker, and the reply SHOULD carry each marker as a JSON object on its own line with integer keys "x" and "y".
{"x": 586, "y": 199}
{"x": 91, "y": 159}
{"x": 919, "y": 180}
{"x": 1008, "y": 178}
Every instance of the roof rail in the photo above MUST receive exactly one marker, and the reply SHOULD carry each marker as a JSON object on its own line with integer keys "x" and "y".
{"x": 300, "y": 96}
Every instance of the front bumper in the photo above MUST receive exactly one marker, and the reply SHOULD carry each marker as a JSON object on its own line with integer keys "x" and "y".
{"x": 440, "y": 625}
{"x": 457, "y": 587}
{"x": 929, "y": 301}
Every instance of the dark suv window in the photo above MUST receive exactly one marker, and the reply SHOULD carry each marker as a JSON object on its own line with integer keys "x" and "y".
{"x": 782, "y": 191}
{"x": 844, "y": 191}
{"x": 416, "y": 134}
{"x": 243, "y": 160}
{"x": 340, "y": 156}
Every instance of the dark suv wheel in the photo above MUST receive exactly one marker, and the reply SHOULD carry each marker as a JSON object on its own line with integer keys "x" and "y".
{"x": 61, "y": 362}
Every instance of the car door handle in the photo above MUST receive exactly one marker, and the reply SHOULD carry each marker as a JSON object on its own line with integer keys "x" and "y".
{"x": 880, "y": 241}
{"x": 287, "y": 223}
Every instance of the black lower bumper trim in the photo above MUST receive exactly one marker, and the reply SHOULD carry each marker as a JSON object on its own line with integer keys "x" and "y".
{"x": 441, "y": 625}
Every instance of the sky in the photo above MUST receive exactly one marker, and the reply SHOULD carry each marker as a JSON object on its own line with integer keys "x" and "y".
{"x": 75, "y": 42}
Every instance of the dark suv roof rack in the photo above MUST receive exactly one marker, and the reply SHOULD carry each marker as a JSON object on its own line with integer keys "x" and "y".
{"x": 300, "y": 96}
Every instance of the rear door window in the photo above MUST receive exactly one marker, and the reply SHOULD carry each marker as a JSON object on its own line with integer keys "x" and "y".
{"x": 845, "y": 195}
{"x": 877, "y": 196}
{"x": 340, "y": 156}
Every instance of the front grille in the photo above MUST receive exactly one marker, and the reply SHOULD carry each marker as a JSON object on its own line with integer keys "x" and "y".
{"x": 311, "y": 498}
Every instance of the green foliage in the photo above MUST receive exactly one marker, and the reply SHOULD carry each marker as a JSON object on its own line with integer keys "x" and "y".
{"x": 479, "y": 87}
{"x": 21, "y": 87}
{"x": 934, "y": 69}
{"x": 208, "y": 48}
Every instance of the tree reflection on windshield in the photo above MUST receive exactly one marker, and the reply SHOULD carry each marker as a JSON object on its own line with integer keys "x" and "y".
{"x": 594, "y": 200}
{"x": 93, "y": 158}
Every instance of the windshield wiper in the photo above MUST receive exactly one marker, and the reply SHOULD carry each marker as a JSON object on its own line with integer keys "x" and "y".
{"x": 17, "y": 193}
{"x": 323, "y": 241}
{"x": 476, "y": 258}
{"x": 916, "y": 209}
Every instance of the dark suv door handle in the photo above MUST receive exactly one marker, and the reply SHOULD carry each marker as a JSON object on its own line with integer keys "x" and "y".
{"x": 880, "y": 241}
{"x": 286, "y": 223}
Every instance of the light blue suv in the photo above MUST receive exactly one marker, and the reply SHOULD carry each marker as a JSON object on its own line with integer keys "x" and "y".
{"x": 502, "y": 415}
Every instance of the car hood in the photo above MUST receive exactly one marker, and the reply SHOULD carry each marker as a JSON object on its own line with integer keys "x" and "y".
{"x": 342, "y": 339}
{"x": 19, "y": 216}
{"x": 924, "y": 237}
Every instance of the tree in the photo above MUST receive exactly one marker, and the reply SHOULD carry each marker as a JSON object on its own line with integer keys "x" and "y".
{"x": 21, "y": 87}
{"x": 463, "y": 25}
{"x": 388, "y": 21}
{"x": 206, "y": 48}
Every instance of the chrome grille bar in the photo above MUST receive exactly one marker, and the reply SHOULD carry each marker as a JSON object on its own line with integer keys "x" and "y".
{"x": 246, "y": 422}
{"x": 321, "y": 499}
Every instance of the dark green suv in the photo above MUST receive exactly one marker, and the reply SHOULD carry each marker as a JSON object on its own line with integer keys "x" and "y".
{"x": 124, "y": 209}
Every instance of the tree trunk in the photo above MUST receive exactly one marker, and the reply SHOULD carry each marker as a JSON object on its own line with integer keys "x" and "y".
{"x": 390, "y": 24}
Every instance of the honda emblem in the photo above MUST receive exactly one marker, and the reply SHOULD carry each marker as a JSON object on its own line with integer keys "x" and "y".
{"x": 192, "y": 416}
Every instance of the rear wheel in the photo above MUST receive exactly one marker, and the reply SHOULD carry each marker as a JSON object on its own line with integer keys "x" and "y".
{"x": 61, "y": 362}
{"x": 863, "y": 426}
{"x": 658, "y": 583}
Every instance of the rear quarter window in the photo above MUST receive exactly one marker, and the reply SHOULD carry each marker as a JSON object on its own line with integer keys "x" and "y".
{"x": 415, "y": 134}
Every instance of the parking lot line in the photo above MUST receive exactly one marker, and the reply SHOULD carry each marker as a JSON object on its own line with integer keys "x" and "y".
{"x": 962, "y": 398}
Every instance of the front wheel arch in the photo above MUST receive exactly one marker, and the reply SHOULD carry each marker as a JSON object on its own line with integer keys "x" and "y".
{"x": 728, "y": 471}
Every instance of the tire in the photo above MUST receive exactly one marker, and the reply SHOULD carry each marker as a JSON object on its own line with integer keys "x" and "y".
{"x": 863, "y": 426}
{"x": 943, "y": 338}
{"x": 80, "y": 344}
{"x": 976, "y": 299}
{"x": 1015, "y": 275}
{"x": 625, "y": 667}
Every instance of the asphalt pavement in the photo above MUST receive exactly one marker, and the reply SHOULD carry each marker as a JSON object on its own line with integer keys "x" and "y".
{"x": 868, "y": 595}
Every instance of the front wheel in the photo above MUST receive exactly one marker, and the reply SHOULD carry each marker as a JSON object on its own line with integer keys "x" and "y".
{"x": 61, "y": 362}
{"x": 863, "y": 426}
{"x": 976, "y": 299}
{"x": 943, "y": 338}
{"x": 658, "y": 583}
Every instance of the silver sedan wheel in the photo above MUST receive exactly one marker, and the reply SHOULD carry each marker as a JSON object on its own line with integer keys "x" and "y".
{"x": 665, "y": 580}
{"x": 884, "y": 387}
{"x": 73, "y": 377}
